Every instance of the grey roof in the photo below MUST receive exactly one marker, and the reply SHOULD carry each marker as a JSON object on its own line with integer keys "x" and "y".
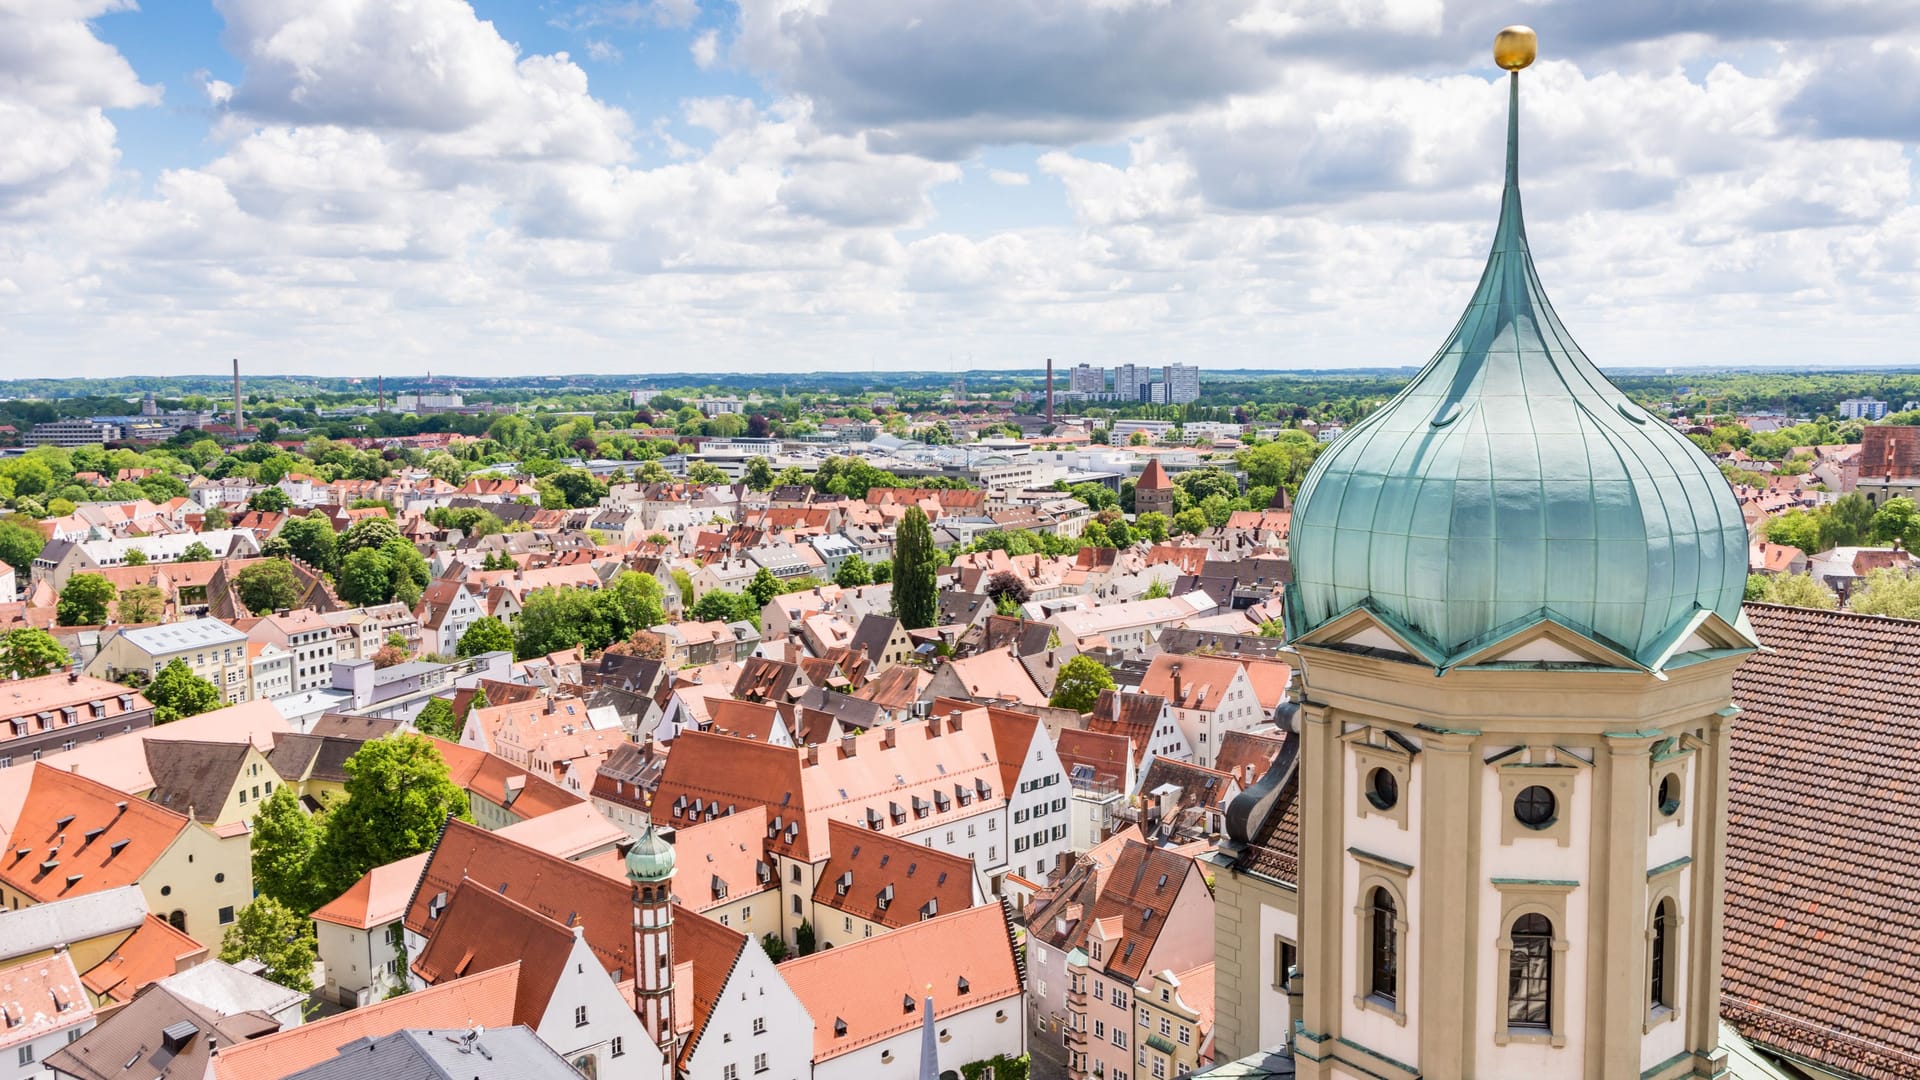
{"x": 189, "y": 775}
{"x": 514, "y": 1053}
{"x": 872, "y": 635}
{"x": 193, "y": 634}
{"x": 128, "y": 1045}
{"x": 299, "y": 757}
{"x": 226, "y": 990}
{"x": 404, "y": 670}
{"x": 63, "y": 922}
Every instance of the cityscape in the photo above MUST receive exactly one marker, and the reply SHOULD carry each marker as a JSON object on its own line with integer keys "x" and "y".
{"x": 1123, "y": 705}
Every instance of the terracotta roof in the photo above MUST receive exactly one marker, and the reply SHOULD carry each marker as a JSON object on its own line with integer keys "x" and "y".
{"x": 863, "y": 983}
{"x": 1241, "y": 751}
{"x": 481, "y": 1000}
{"x": 494, "y": 778}
{"x": 1822, "y": 924}
{"x": 40, "y": 701}
{"x": 1275, "y": 851}
{"x": 1105, "y": 755}
{"x": 720, "y": 861}
{"x": 152, "y": 952}
{"x": 889, "y": 880}
{"x": 1140, "y": 878}
{"x": 1270, "y": 679}
{"x": 75, "y": 836}
{"x": 481, "y": 930}
{"x": 876, "y": 779}
{"x": 1153, "y": 477}
{"x": 40, "y": 997}
{"x": 743, "y": 719}
{"x": 379, "y": 897}
{"x": 895, "y": 688}
{"x": 997, "y": 676}
{"x": 1203, "y": 680}
{"x": 1199, "y": 786}
{"x": 568, "y": 832}
{"x": 1130, "y": 716}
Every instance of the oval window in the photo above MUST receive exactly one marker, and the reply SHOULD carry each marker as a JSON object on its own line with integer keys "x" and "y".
{"x": 1535, "y": 806}
{"x": 1383, "y": 790}
{"x": 1669, "y": 794}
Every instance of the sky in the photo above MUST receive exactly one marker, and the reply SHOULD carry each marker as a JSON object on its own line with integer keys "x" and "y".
{"x": 500, "y": 187}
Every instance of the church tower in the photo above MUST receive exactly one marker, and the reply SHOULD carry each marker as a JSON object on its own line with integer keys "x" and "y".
{"x": 1517, "y": 611}
{"x": 650, "y": 869}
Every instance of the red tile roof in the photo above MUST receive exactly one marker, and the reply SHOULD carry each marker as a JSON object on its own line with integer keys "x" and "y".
{"x": 40, "y": 997}
{"x": 76, "y": 836}
{"x": 481, "y": 930}
{"x": 1203, "y": 680}
{"x": 863, "y": 983}
{"x": 1106, "y": 755}
{"x": 152, "y": 952}
{"x": 379, "y": 897}
{"x": 1153, "y": 477}
{"x": 1822, "y": 921}
{"x": 891, "y": 881}
{"x": 498, "y": 780}
{"x": 1142, "y": 879}
{"x": 482, "y": 1000}
{"x": 728, "y": 849}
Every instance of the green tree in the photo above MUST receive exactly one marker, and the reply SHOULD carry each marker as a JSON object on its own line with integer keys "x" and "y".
{"x": 1280, "y": 463}
{"x": 1799, "y": 590}
{"x": 577, "y": 488}
{"x": 1154, "y": 524}
{"x": 216, "y": 518}
{"x": 760, "y": 474}
{"x": 196, "y": 552}
{"x": 136, "y": 557}
{"x": 267, "y": 586}
{"x": 1200, "y": 484}
{"x": 398, "y": 796}
{"x": 276, "y": 935}
{"x": 1191, "y": 522}
{"x": 631, "y": 601}
{"x": 141, "y": 604}
{"x": 1273, "y": 628}
{"x": 763, "y": 588}
{"x": 27, "y": 653}
{"x": 701, "y": 472}
{"x": 407, "y": 569}
{"x": 365, "y": 578}
{"x": 1080, "y": 683}
{"x": 85, "y": 601}
{"x": 372, "y": 532}
{"x": 437, "y": 718}
{"x": 483, "y": 635}
{"x": 19, "y": 545}
{"x": 1795, "y": 528}
{"x": 1888, "y": 592}
{"x": 914, "y": 591}
{"x": 177, "y": 693}
{"x": 311, "y": 539}
{"x": 853, "y": 573}
{"x": 719, "y": 605}
{"x": 775, "y": 946}
{"x": 555, "y": 619}
{"x": 1894, "y": 521}
{"x": 269, "y": 500}
{"x": 283, "y": 839}
{"x": 1847, "y": 522}
{"x": 1157, "y": 591}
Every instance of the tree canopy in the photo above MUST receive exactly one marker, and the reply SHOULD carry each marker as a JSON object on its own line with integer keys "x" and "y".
{"x": 28, "y": 652}
{"x": 398, "y": 796}
{"x": 177, "y": 693}
{"x": 85, "y": 600}
{"x": 278, "y": 936}
{"x": 268, "y": 586}
{"x": 1079, "y": 684}
{"x": 483, "y": 635}
{"x": 914, "y": 592}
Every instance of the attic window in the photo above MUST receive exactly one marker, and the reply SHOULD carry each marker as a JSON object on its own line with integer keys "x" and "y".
{"x": 843, "y": 883}
{"x": 1146, "y": 916}
{"x": 61, "y": 823}
{"x": 884, "y": 898}
{"x": 91, "y": 836}
{"x": 941, "y": 802}
{"x": 436, "y": 905}
{"x": 719, "y": 889}
{"x": 839, "y": 1028}
{"x": 929, "y": 909}
{"x": 897, "y": 812}
{"x": 115, "y": 848}
{"x": 1162, "y": 883}
{"x": 964, "y": 987}
{"x": 906, "y": 1003}
{"x": 1128, "y": 953}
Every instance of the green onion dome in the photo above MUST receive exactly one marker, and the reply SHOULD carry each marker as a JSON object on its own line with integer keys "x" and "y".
{"x": 1510, "y": 481}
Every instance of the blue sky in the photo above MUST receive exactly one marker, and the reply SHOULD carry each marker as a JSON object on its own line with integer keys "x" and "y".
{"x": 649, "y": 185}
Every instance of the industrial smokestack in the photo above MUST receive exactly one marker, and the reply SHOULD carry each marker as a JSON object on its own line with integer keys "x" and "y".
{"x": 239, "y": 418}
{"x": 380, "y": 395}
{"x": 1049, "y": 389}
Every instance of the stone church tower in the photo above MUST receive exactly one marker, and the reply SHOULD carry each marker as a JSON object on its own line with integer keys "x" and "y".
{"x": 1517, "y": 610}
{"x": 650, "y": 869}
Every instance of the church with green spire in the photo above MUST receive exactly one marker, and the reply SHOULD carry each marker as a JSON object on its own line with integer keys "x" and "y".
{"x": 1517, "y": 611}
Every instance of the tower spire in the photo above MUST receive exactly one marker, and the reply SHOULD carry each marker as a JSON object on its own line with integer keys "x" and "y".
{"x": 929, "y": 1040}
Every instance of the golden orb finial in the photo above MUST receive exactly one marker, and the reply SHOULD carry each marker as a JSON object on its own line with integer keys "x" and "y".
{"x": 1514, "y": 47}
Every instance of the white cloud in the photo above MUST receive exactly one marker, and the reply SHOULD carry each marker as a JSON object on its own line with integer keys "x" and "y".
{"x": 1310, "y": 184}
{"x": 602, "y": 51}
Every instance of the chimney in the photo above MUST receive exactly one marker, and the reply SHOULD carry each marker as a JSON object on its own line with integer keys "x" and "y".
{"x": 813, "y": 753}
{"x": 239, "y": 419}
{"x": 848, "y": 746}
{"x": 1049, "y": 389}
{"x": 1179, "y": 699}
{"x": 886, "y": 737}
{"x": 953, "y": 720}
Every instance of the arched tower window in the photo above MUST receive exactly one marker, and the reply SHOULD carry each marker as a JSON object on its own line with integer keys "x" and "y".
{"x": 1530, "y": 973}
{"x": 1383, "y": 966}
{"x": 1659, "y": 973}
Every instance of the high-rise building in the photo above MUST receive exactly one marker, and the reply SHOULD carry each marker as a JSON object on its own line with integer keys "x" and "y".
{"x": 1183, "y": 383}
{"x": 1517, "y": 648}
{"x": 1130, "y": 381}
{"x": 1086, "y": 379}
{"x": 1862, "y": 408}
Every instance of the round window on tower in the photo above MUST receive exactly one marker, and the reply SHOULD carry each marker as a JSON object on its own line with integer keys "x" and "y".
{"x": 1669, "y": 794}
{"x": 1383, "y": 791}
{"x": 1534, "y": 807}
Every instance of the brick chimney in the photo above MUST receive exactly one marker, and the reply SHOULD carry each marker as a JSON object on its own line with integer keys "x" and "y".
{"x": 1179, "y": 699}
{"x": 848, "y": 747}
{"x": 887, "y": 736}
{"x": 813, "y": 753}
